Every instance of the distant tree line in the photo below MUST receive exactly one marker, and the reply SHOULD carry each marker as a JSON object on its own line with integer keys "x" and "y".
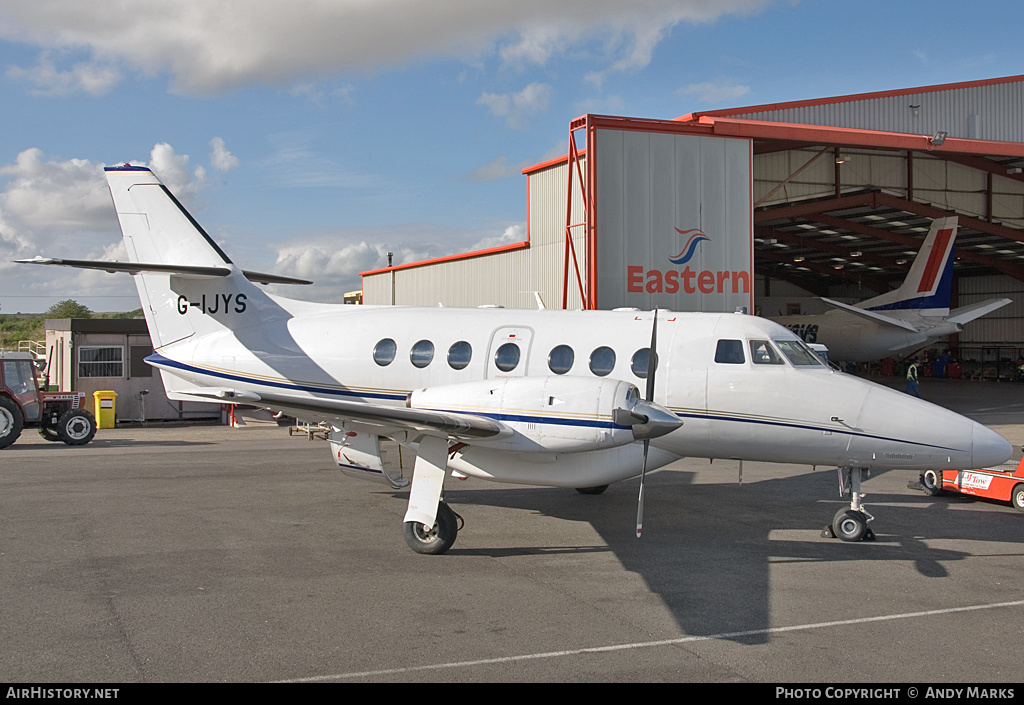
{"x": 17, "y": 327}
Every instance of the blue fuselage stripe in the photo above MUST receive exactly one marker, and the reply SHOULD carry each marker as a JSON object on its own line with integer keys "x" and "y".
{"x": 161, "y": 361}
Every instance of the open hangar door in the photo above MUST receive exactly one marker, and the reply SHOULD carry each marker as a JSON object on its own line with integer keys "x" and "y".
{"x": 842, "y": 212}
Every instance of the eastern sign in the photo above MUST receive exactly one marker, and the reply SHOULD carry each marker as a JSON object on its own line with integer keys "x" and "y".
{"x": 673, "y": 221}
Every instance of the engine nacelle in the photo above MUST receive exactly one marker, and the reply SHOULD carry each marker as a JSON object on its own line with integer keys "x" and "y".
{"x": 556, "y": 413}
{"x": 359, "y": 455}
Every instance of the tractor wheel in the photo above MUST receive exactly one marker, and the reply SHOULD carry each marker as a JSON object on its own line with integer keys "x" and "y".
{"x": 11, "y": 422}
{"x": 76, "y": 427}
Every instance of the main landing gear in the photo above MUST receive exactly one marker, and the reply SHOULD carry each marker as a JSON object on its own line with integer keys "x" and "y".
{"x": 850, "y": 524}
{"x": 438, "y": 538}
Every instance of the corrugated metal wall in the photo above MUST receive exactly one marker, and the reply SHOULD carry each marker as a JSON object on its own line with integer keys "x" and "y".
{"x": 507, "y": 278}
{"x": 994, "y": 112}
{"x": 1002, "y": 326}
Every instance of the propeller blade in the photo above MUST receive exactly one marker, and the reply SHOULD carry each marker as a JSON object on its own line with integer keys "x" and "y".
{"x": 652, "y": 359}
{"x": 640, "y": 499}
{"x": 651, "y": 367}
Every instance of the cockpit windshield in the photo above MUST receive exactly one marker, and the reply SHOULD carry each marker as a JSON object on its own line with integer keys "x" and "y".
{"x": 762, "y": 353}
{"x": 798, "y": 354}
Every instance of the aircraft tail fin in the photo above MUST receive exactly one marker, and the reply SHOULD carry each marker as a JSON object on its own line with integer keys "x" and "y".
{"x": 929, "y": 283}
{"x": 188, "y": 285}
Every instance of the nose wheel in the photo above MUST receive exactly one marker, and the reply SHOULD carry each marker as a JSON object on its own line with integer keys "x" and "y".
{"x": 850, "y": 524}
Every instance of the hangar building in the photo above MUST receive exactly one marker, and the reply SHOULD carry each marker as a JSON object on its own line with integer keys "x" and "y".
{"x": 766, "y": 206}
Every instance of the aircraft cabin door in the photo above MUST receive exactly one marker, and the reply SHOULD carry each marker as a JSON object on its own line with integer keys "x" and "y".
{"x": 509, "y": 352}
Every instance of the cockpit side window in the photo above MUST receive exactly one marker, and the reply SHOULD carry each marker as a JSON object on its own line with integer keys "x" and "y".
{"x": 730, "y": 352}
{"x": 762, "y": 353}
{"x": 798, "y": 354}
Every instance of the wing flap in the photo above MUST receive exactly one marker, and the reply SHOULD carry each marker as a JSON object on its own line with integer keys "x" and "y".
{"x": 468, "y": 426}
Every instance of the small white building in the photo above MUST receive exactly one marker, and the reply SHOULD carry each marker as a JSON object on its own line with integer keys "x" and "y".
{"x": 102, "y": 354}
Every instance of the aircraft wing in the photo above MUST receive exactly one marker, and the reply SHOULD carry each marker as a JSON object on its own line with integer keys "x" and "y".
{"x": 871, "y": 315}
{"x": 967, "y": 314}
{"x": 180, "y": 269}
{"x": 455, "y": 425}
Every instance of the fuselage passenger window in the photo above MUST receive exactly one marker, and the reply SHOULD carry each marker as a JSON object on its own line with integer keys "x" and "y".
{"x": 762, "y": 353}
{"x": 641, "y": 362}
{"x": 384, "y": 352}
{"x": 729, "y": 352}
{"x": 560, "y": 359}
{"x": 422, "y": 353}
{"x": 507, "y": 357}
{"x": 459, "y": 355}
{"x": 602, "y": 361}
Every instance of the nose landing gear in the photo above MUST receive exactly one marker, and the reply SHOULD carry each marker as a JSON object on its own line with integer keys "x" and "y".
{"x": 850, "y": 524}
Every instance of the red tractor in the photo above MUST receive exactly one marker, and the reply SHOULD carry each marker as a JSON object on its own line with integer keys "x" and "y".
{"x": 59, "y": 416}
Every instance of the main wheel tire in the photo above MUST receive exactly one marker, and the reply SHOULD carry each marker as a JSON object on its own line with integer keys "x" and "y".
{"x": 932, "y": 481}
{"x": 1017, "y": 497}
{"x": 599, "y": 489}
{"x": 11, "y": 422}
{"x": 76, "y": 427}
{"x": 850, "y": 525}
{"x": 438, "y": 538}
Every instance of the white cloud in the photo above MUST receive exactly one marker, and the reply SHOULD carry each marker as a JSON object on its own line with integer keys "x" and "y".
{"x": 517, "y": 107}
{"x": 43, "y": 200}
{"x": 172, "y": 169}
{"x": 719, "y": 92}
{"x": 497, "y": 168}
{"x": 91, "y": 78}
{"x": 513, "y": 234}
{"x": 210, "y": 46}
{"x": 50, "y": 194}
{"x": 220, "y": 158}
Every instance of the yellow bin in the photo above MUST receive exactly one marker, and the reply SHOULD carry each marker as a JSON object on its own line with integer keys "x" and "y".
{"x": 105, "y": 404}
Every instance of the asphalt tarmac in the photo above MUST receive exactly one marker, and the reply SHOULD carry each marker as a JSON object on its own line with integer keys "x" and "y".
{"x": 210, "y": 554}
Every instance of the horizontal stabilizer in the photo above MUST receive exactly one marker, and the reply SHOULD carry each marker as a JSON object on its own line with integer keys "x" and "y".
{"x": 871, "y": 315}
{"x": 967, "y": 314}
{"x": 183, "y": 270}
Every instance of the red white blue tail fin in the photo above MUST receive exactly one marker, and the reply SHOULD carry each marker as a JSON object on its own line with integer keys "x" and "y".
{"x": 929, "y": 283}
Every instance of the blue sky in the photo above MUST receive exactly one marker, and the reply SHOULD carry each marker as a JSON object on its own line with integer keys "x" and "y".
{"x": 311, "y": 138}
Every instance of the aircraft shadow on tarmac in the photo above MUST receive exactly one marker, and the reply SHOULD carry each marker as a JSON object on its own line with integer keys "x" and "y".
{"x": 708, "y": 549}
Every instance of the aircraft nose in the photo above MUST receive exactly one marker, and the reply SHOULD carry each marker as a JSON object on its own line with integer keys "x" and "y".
{"x": 988, "y": 448}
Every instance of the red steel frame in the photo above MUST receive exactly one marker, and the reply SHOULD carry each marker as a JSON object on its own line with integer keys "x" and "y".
{"x": 588, "y": 296}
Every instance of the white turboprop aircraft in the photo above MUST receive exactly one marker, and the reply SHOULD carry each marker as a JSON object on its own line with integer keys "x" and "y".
{"x": 903, "y": 320}
{"x": 541, "y": 397}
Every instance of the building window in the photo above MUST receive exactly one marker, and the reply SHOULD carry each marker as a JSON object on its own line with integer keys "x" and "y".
{"x": 101, "y": 361}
